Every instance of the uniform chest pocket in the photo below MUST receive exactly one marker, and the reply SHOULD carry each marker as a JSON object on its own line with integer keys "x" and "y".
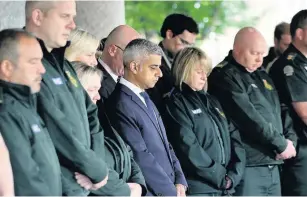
{"x": 255, "y": 95}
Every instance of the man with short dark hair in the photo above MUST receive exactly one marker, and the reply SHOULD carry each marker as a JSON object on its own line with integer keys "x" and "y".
{"x": 289, "y": 73}
{"x": 282, "y": 39}
{"x": 178, "y": 31}
{"x": 33, "y": 157}
{"x": 137, "y": 120}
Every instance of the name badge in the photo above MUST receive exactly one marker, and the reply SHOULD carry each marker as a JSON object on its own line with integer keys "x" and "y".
{"x": 196, "y": 111}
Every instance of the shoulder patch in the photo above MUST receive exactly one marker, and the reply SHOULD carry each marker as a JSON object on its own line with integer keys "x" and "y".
{"x": 222, "y": 64}
{"x": 291, "y": 56}
{"x": 267, "y": 85}
{"x": 220, "y": 112}
{"x": 288, "y": 70}
{"x": 72, "y": 79}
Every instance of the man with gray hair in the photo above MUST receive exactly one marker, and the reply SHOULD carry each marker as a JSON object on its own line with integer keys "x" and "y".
{"x": 139, "y": 123}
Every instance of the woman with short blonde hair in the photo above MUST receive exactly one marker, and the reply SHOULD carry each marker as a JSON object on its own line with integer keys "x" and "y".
{"x": 187, "y": 61}
{"x": 83, "y": 47}
{"x": 208, "y": 146}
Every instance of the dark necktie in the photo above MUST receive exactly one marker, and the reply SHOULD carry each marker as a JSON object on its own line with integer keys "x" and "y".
{"x": 149, "y": 104}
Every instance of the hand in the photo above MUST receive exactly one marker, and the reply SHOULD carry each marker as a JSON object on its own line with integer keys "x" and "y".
{"x": 83, "y": 181}
{"x": 228, "y": 182}
{"x": 100, "y": 184}
{"x": 136, "y": 189}
{"x": 180, "y": 190}
{"x": 87, "y": 184}
{"x": 288, "y": 152}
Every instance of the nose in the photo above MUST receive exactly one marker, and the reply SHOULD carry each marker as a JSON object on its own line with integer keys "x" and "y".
{"x": 259, "y": 58}
{"x": 160, "y": 74}
{"x": 72, "y": 25}
{"x": 41, "y": 69}
{"x": 97, "y": 97}
{"x": 94, "y": 61}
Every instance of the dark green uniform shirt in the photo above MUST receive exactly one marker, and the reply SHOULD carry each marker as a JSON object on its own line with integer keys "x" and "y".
{"x": 33, "y": 158}
{"x": 251, "y": 101}
{"x": 207, "y": 146}
{"x": 289, "y": 74}
{"x": 71, "y": 119}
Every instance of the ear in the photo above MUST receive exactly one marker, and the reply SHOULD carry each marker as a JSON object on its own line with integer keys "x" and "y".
{"x": 134, "y": 67}
{"x": 112, "y": 50}
{"x": 299, "y": 33}
{"x": 6, "y": 69}
{"x": 37, "y": 17}
{"x": 169, "y": 34}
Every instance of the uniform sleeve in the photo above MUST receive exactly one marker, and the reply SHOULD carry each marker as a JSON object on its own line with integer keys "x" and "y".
{"x": 25, "y": 169}
{"x": 288, "y": 125}
{"x": 79, "y": 157}
{"x": 237, "y": 162}
{"x": 248, "y": 120}
{"x": 296, "y": 83}
{"x": 156, "y": 178}
{"x": 114, "y": 187}
{"x": 181, "y": 127}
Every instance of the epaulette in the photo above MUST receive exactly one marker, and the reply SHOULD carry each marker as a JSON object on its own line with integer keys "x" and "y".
{"x": 222, "y": 64}
{"x": 291, "y": 56}
{"x": 1, "y": 95}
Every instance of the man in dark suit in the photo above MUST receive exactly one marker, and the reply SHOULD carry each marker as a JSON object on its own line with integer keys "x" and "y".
{"x": 111, "y": 60}
{"x": 138, "y": 121}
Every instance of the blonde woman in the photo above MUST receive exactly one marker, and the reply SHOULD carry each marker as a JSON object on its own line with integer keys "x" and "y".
{"x": 125, "y": 176}
{"x": 207, "y": 145}
{"x": 83, "y": 47}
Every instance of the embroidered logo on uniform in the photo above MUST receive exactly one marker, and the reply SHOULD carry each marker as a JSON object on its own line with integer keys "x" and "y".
{"x": 288, "y": 70}
{"x": 267, "y": 85}
{"x": 72, "y": 79}
{"x": 222, "y": 64}
{"x": 57, "y": 81}
{"x": 35, "y": 128}
{"x": 196, "y": 111}
{"x": 254, "y": 85}
{"x": 220, "y": 112}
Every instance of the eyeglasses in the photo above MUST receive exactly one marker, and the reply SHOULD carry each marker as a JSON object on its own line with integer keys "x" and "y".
{"x": 184, "y": 42}
{"x": 119, "y": 47}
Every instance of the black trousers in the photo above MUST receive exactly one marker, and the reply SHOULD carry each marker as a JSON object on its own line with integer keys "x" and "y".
{"x": 294, "y": 173}
{"x": 260, "y": 181}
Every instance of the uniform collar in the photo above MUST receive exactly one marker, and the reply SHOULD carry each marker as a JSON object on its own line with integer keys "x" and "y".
{"x": 57, "y": 53}
{"x": 233, "y": 62}
{"x": 19, "y": 92}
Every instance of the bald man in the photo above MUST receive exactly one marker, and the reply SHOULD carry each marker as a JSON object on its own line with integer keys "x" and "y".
{"x": 251, "y": 102}
{"x": 111, "y": 61}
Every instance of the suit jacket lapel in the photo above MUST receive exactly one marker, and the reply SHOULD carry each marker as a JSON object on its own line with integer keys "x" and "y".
{"x": 138, "y": 101}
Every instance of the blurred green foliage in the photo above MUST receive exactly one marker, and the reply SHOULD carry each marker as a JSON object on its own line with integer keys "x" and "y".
{"x": 211, "y": 15}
